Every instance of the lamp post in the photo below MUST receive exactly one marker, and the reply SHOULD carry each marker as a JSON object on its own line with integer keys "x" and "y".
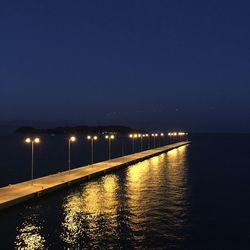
{"x": 154, "y": 135}
{"x": 175, "y": 135}
{"x": 161, "y": 135}
{"x": 32, "y": 142}
{"x": 92, "y": 139}
{"x": 133, "y": 136}
{"x": 71, "y": 139}
{"x": 141, "y": 136}
{"x": 146, "y": 135}
{"x": 109, "y": 138}
{"x": 179, "y": 134}
{"x": 170, "y": 138}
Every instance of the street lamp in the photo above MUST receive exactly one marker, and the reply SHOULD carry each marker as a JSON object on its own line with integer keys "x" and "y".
{"x": 154, "y": 135}
{"x": 146, "y": 135}
{"x": 92, "y": 139}
{"x": 170, "y": 137}
{"x": 161, "y": 135}
{"x": 179, "y": 134}
{"x": 133, "y": 136}
{"x": 141, "y": 136}
{"x": 109, "y": 138}
{"x": 32, "y": 142}
{"x": 71, "y": 139}
{"x": 175, "y": 134}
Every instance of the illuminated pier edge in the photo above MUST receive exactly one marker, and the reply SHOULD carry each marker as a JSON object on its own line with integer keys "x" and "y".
{"x": 18, "y": 193}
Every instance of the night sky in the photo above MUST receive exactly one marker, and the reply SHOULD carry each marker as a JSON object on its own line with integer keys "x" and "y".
{"x": 166, "y": 64}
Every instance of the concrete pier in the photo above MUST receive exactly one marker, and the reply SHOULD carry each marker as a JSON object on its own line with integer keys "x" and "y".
{"x": 17, "y": 193}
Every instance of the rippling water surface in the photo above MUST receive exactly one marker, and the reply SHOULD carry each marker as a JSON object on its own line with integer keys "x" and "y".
{"x": 188, "y": 198}
{"x": 130, "y": 209}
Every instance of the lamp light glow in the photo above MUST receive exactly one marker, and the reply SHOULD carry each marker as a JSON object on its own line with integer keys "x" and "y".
{"x": 28, "y": 140}
{"x": 72, "y": 138}
{"x": 37, "y": 140}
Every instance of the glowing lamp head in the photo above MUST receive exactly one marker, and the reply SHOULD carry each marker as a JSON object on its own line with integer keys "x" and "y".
{"x": 112, "y": 137}
{"x": 28, "y": 140}
{"x": 162, "y": 134}
{"x": 135, "y": 136}
{"x": 130, "y": 136}
{"x": 88, "y": 137}
{"x": 72, "y": 138}
{"x": 37, "y": 140}
{"x": 156, "y": 134}
{"x": 95, "y": 137}
{"x": 106, "y": 137}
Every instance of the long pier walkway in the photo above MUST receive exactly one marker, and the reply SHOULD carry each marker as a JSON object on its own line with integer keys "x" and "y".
{"x": 17, "y": 193}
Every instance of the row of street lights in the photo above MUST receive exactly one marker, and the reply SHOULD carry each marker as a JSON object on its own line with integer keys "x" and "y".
{"x": 93, "y": 138}
{"x": 71, "y": 139}
{"x": 154, "y": 135}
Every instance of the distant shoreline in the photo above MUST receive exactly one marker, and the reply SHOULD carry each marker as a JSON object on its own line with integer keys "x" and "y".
{"x": 79, "y": 130}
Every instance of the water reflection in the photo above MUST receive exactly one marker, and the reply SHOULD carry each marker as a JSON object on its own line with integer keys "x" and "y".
{"x": 143, "y": 203}
{"x": 177, "y": 188}
{"x": 91, "y": 213}
{"x": 157, "y": 198}
{"x": 29, "y": 234}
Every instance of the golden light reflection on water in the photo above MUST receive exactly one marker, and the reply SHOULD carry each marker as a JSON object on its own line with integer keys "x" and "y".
{"x": 148, "y": 198}
{"x": 71, "y": 224}
{"x": 157, "y": 184}
{"x": 29, "y": 237}
{"x": 151, "y": 197}
{"x": 177, "y": 171}
{"x": 100, "y": 198}
{"x": 83, "y": 209}
{"x": 177, "y": 182}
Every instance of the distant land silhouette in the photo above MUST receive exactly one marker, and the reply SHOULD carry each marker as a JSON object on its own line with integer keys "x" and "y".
{"x": 79, "y": 130}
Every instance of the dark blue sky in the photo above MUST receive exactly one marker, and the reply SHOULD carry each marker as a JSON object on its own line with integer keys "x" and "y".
{"x": 183, "y": 64}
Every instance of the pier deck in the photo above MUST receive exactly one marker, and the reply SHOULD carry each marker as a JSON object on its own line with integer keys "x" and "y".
{"x": 17, "y": 193}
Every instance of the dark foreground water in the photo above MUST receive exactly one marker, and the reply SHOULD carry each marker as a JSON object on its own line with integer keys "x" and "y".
{"x": 193, "y": 197}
